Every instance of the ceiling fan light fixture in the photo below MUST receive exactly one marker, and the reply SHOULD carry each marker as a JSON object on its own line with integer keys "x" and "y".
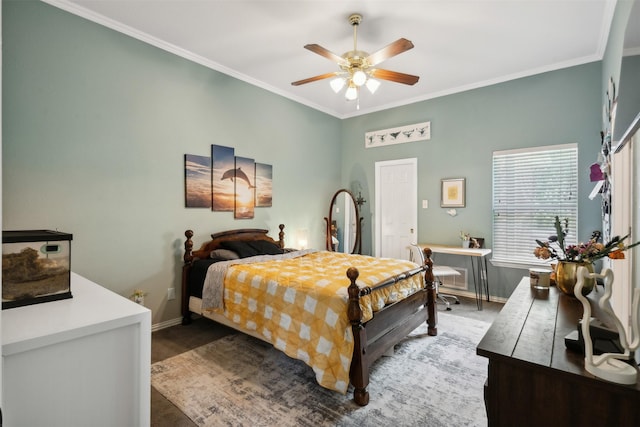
{"x": 351, "y": 93}
{"x": 357, "y": 67}
{"x": 337, "y": 84}
{"x": 373, "y": 85}
{"x": 359, "y": 78}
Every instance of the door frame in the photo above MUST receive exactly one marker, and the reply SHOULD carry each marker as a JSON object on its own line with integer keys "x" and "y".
{"x": 622, "y": 203}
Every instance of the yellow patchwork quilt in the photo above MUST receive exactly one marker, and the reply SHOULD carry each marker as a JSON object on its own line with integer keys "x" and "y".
{"x": 300, "y": 305}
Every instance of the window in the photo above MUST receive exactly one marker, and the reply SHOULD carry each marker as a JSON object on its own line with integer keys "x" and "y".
{"x": 530, "y": 187}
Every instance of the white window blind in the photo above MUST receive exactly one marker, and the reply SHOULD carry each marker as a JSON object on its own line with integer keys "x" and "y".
{"x": 530, "y": 187}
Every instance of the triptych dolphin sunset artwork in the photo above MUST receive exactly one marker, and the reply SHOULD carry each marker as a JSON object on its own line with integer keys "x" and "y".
{"x": 226, "y": 182}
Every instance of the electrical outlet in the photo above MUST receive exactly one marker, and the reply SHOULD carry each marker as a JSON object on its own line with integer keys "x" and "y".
{"x": 171, "y": 293}
{"x": 425, "y": 204}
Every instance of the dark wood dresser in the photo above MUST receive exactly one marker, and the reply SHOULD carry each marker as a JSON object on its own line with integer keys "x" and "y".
{"x": 534, "y": 380}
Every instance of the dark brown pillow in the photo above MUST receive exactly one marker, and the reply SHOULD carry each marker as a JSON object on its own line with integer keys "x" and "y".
{"x": 266, "y": 248}
{"x": 246, "y": 249}
{"x": 243, "y": 249}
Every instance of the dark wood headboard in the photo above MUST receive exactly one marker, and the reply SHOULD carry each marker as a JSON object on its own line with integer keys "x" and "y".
{"x": 242, "y": 234}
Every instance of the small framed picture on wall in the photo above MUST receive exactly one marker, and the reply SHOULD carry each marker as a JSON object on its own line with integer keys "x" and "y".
{"x": 452, "y": 193}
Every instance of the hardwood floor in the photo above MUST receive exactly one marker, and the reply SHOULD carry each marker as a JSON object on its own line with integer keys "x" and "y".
{"x": 177, "y": 339}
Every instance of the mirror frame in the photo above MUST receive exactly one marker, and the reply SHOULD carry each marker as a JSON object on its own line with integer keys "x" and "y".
{"x": 357, "y": 244}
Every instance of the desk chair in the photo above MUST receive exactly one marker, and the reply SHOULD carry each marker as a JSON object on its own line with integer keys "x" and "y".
{"x": 439, "y": 271}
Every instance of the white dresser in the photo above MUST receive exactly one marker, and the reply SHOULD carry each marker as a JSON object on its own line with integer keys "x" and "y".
{"x": 84, "y": 361}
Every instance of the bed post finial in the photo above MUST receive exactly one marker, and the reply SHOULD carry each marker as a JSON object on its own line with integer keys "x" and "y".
{"x": 354, "y": 312}
{"x": 359, "y": 372}
{"x": 432, "y": 296}
{"x": 281, "y": 236}
{"x": 188, "y": 247}
{"x": 428, "y": 274}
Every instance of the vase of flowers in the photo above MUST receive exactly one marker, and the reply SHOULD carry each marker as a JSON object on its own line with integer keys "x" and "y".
{"x": 567, "y": 277}
{"x": 138, "y": 296}
{"x": 466, "y": 238}
{"x": 570, "y": 257}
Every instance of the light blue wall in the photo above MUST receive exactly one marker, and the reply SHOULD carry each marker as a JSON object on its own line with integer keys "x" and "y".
{"x": 612, "y": 59}
{"x": 96, "y": 125}
{"x": 628, "y": 105}
{"x": 551, "y": 108}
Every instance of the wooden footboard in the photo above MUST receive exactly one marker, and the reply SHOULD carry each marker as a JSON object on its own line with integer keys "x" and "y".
{"x": 372, "y": 338}
{"x": 389, "y": 325}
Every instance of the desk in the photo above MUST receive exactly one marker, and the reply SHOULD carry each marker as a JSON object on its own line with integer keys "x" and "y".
{"x": 533, "y": 380}
{"x": 478, "y": 268}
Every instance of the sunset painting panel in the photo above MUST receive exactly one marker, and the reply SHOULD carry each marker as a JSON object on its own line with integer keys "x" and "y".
{"x": 245, "y": 188}
{"x": 264, "y": 185}
{"x": 197, "y": 180}
{"x": 222, "y": 178}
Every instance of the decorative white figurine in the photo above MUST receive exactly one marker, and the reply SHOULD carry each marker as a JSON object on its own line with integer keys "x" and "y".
{"x": 609, "y": 366}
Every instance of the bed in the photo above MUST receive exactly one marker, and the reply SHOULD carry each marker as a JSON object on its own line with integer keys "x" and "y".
{"x": 375, "y": 310}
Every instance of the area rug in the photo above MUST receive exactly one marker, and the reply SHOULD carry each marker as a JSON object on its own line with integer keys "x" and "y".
{"x": 241, "y": 381}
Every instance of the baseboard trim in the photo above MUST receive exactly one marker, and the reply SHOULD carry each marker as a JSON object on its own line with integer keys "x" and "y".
{"x": 166, "y": 324}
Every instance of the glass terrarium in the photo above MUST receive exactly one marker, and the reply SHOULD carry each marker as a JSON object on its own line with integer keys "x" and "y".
{"x": 36, "y": 267}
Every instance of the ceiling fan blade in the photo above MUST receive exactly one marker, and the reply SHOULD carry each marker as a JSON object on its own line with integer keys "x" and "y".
{"x": 395, "y": 48}
{"x": 394, "y": 76}
{"x": 316, "y": 48}
{"x": 316, "y": 78}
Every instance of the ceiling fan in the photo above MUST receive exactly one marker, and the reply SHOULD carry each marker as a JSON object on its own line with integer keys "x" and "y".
{"x": 357, "y": 68}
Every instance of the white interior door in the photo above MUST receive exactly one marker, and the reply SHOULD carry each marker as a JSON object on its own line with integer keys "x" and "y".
{"x": 396, "y": 210}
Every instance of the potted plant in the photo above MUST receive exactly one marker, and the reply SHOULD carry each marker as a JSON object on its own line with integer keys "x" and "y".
{"x": 466, "y": 238}
{"x": 138, "y": 296}
{"x": 570, "y": 257}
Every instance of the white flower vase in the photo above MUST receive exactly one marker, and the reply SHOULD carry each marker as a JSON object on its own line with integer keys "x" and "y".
{"x": 139, "y": 299}
{"x": 465, "y": 243}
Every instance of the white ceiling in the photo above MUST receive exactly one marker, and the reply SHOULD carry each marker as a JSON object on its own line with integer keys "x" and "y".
{"x": 459, "y": 44}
